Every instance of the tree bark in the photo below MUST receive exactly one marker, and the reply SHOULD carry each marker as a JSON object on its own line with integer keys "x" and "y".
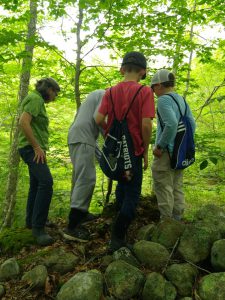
{"x": 13, "y": 163}
{"x": 176, "y": 58}
{"x": 78, "y": 59}
{"x": 190, "y": 55}
{"x": 77, "y": 73}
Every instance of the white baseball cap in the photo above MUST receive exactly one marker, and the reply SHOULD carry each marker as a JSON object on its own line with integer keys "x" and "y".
{"x": 161, "y": 76}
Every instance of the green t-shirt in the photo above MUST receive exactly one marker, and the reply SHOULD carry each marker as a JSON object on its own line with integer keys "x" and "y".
{"x": 35, "y": 106}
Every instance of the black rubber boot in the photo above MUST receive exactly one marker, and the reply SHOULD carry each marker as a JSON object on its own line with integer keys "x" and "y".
{"x": 42, "y": 238}
{"x": 75, "y": 218}
{"x": 119, "y": 231}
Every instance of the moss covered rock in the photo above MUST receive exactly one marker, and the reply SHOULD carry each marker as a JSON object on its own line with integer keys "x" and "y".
{"x": 182, "y": 276}
{"x": 213, "y": 215}
{"x": 9, "y": 269}
{"x": 36, "y": 257}
{"x": 158, "y": 288}
{"x": 36, "y": 277}
{"x": 145, "y": 232}
{"x": 106, "y": 260}
{"x": 152, "y": 255}
{"x": 124, "y": 280}
{"x": 212, "y": 287}
{"x": 58, "y": 260}
{"x": 196, "y": 241}
{"x": 218, "y": 255}
{"x": 167, "y": 232}
{"x": 83, "y": 285}
{"x": 2, "y": 291}
{"x": 126, "y": 255}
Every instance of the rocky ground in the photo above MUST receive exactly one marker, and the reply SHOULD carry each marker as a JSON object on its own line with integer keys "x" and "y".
{"x": 20, "y": 244}
{"x": 169, "y": 260}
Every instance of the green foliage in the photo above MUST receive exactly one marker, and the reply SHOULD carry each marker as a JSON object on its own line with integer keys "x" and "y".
{"x": 10, "y": 4}
{"x": 13, "y": 240}
{"x": 214, "y": 160}
{"x": 203, "y": 164}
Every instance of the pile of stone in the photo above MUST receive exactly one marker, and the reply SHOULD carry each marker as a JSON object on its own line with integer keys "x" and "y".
{"x": 167, "y": 261}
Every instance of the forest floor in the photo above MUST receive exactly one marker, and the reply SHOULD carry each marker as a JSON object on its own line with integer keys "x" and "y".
{"x": 90, "y": 253}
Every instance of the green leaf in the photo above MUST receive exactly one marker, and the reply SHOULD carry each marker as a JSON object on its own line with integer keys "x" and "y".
{"x": 214, "y": 160}
{"x": 203, "y": 164}
{"x": 220, "y": 98}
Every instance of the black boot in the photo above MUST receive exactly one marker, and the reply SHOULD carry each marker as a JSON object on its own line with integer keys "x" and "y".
{"x": 43, "y": 239}
{"x": 75, "y": 231}
{"x": 119, "y": 231}
{"x": 75, "y": 217}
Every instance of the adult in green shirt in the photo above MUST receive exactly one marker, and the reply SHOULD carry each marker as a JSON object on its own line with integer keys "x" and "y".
{"x": 33, "y": 144}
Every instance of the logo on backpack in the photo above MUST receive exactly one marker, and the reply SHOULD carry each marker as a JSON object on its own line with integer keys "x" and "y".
{"x": 184, "y": 147}
{"x": 117, "y": 159}
{"x": 126, "y": 154}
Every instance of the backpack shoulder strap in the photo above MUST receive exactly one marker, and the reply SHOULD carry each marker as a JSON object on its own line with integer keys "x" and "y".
{"x": 132, "y": 101}
{"x": 110, "y": 93}
{"x": 111, "y": 98}
{"x": 179, "y": 105}
{"x": 160, "y": 120}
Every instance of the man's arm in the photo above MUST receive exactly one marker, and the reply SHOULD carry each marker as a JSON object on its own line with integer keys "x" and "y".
{"x": 146, "y": 136}
{"x": 98, "y": 152}
{"x": 100, "y": 120}
{"x": 24, "y": 123}
{"x": 170, "y": 122}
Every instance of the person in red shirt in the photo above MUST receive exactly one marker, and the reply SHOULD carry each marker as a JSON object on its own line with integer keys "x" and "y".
{"x": 139, "y": 120}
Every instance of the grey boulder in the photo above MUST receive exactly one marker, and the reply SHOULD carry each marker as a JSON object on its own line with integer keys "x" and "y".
{"x": 83, "y": 285}
{"x": 124, "y": 280}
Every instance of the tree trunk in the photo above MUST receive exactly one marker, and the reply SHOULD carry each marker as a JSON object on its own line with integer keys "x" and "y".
{"x": 176, "y": 58}
{"x": 10, "y": 197}
{"x": 191, "y": 54}
{"x": 77, "y": 74}
{"x": 78, "y": 59}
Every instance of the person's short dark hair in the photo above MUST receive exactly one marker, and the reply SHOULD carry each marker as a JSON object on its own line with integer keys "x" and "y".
{"x": 132, "y": 68}
{"x": 44, "y": 84}
{"x": 171, "y": 81}
{"x": 135, "y": 58}
{"x": 134, "y": 62}
{"x": 164, "y": 77}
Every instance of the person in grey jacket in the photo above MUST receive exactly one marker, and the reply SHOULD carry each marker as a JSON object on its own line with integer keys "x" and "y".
{"x": 82, "y": 138}
{"x": 167, "y": 183}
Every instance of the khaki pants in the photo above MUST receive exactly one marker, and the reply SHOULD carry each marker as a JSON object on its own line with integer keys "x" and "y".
{"x": 167, "y": 185}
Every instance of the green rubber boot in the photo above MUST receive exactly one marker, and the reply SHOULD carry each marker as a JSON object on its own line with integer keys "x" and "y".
{"x": 42, "y": 238}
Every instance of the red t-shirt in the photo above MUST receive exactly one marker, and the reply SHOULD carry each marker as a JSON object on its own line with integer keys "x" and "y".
{"x": 142, "y": 107}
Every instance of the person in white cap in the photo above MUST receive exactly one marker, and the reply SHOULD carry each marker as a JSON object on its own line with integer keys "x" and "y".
{"x": 167, "y": 183}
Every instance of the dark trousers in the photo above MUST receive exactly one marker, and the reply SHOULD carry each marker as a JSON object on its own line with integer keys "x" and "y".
{"x": 40, "y": 191}
{"x": 128, "y": 193}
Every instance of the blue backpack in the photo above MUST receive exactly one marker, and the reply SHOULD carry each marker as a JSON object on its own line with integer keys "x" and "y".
{"x": 184, "y": 147}
{"x": 117, "y": 158}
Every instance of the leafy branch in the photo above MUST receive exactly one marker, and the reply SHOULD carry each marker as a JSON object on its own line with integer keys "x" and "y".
{"x": 56, "y": 50}
{"x": 102, "y": 35}
{"x": 208, "y": 100}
